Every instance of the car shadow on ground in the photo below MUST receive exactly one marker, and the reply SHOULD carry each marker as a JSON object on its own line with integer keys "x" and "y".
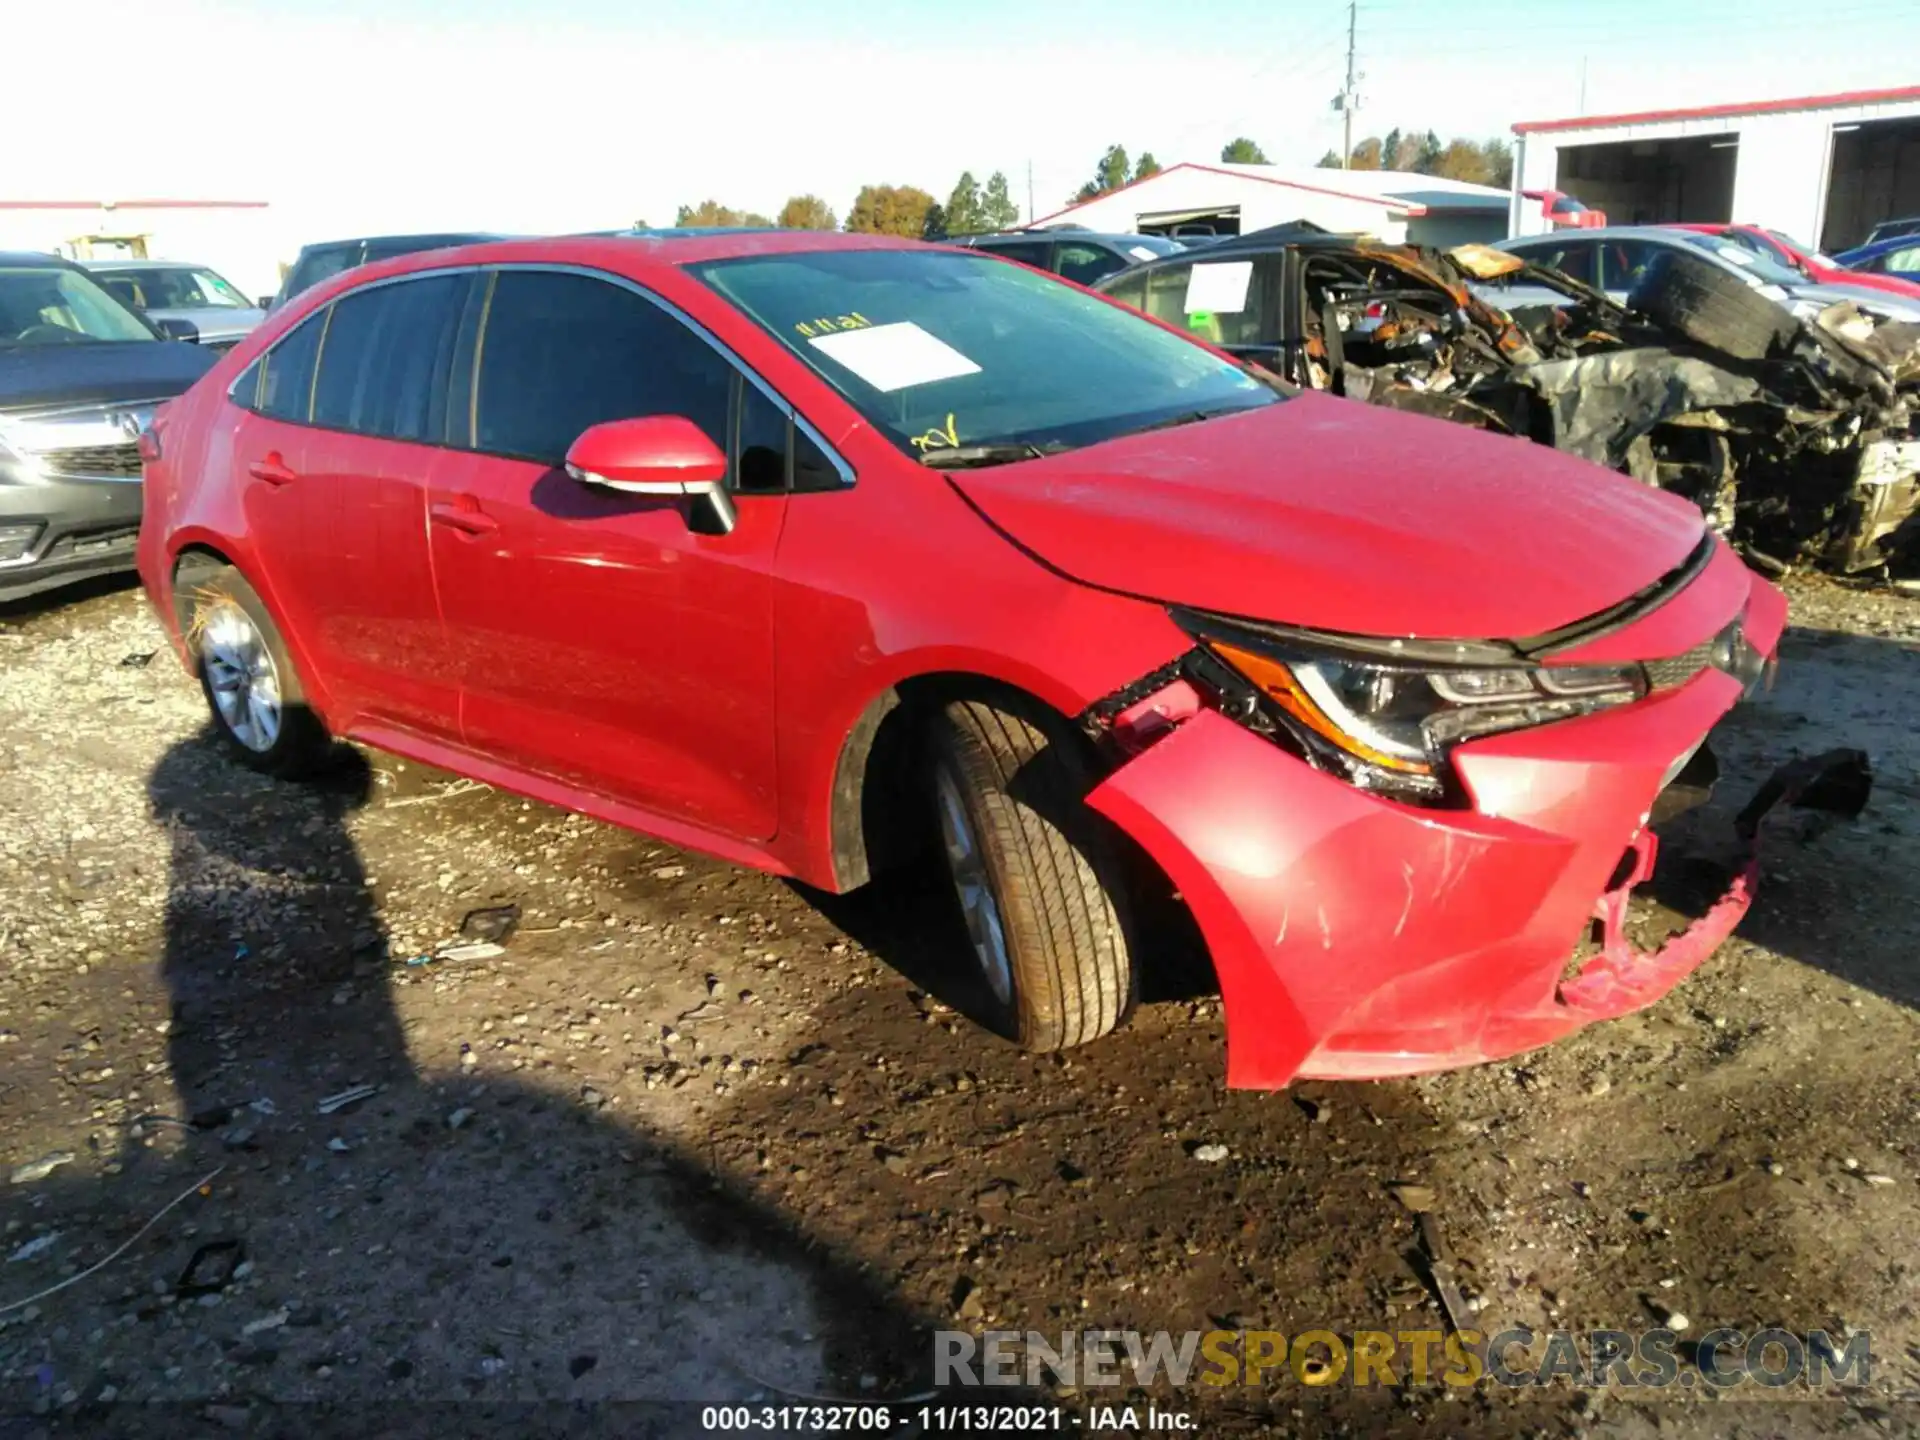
{"x": 460, "y": 1237}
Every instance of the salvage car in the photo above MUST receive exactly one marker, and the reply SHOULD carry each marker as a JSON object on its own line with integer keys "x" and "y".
{"x": 327, "y": 258}
{"x": 80, "y": 377}
{"x": 813, "y": 551}
{"x": 1615, "y": 259}
{"x": 1795, "y": 435}
{"x": 186, "y": 294}
{"x": 1783, "y": 249}
{"x": 1895, "y": 259}
{"x": 1083, "y": 256}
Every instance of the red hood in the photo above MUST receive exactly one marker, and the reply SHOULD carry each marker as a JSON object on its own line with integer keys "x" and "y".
{"x": 1329, "y": 514}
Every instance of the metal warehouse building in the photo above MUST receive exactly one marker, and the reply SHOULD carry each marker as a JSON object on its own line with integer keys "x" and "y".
{"x": 1823, "y": 168}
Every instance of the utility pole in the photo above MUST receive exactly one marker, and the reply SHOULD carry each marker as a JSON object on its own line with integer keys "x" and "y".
{"x": 1029, "y": 192}
{"x": 1348, "y": 100}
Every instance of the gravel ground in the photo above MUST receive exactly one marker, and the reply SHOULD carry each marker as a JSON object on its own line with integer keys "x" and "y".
{"x": 699, "y": 1133}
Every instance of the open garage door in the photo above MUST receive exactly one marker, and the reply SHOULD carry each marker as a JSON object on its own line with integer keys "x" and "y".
{"x": 1875, "y": 176}
{"x": 1653, "y": 182}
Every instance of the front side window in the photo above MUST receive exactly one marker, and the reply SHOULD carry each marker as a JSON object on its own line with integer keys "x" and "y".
{"x": 52, "y": 305}
{"x": 562, "y": 353}
{"x": 1027, "y": 252}
{"x": 1623, "y": 262}
{"x": 386, "y": 359}
{"x": 1221, "y": 301}
{"x": 1084, "y": 264}
{"x": 944, "y": 349}
{"x": 1575, "y": 261}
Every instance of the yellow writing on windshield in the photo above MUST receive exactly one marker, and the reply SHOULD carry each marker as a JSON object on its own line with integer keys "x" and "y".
{"x": 832, "y": 324}
{"x": 938, "y": 438}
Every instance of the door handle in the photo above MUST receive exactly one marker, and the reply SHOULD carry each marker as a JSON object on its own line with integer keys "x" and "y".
{"x": 464, "y": 515}
{"x": 272, "y": 469}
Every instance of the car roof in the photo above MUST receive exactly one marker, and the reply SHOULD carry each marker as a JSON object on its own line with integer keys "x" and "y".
{"x": 1062, "y": 232}
{"x": 141, "y": 265}
{"x": 626, "y": 253}
{"x": 35, "y": 257}
{"x": 445, "y": 237}
{"x": 1873, "y": 249}
{"x": 1672, "y": 234}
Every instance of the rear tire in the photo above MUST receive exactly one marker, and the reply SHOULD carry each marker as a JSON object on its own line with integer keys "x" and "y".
{"x": 258, "y": 706}
{"x": 1035, "y": 873}
{"x": 1711, "y": 308}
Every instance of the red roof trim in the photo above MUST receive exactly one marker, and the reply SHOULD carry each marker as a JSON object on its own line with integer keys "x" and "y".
{"x": 1380, "y": 200}
{"x": 1715, "y": 112}
{"x": 133, "y": 204}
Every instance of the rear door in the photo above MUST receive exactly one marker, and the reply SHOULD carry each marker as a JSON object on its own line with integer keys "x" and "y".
{"x": 602, "y": 642}
{"x": 351, "y": 415}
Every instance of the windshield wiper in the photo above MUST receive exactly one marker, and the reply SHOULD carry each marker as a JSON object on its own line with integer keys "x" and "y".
{"x": 1190, "y": 417}
{"x": 963, "y": 457}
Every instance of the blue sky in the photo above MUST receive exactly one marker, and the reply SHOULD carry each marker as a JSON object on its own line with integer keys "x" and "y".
{"x": 521, "y": 115}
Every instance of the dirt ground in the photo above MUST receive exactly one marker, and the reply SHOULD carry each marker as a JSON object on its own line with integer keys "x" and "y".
{"x": 699, "y": 1134}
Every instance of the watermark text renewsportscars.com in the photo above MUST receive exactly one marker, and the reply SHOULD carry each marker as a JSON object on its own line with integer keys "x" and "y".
{"x": 1721, "y": 1359}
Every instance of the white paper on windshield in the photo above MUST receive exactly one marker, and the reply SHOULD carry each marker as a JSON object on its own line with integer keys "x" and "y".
{"x": 1141, "y": 252}
{"x": 1220, "y": 287}
{"x": 894, "y": 357}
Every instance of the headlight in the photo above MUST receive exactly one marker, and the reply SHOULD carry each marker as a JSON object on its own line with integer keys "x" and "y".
{"x": 1389, "y": 725}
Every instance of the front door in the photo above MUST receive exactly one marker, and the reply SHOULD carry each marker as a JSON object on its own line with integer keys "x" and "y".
{"x": 601, "y": 641}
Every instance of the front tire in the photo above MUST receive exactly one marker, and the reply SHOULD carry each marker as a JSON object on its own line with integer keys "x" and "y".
{"x": 1034, "y": 871}
{"x": 253, "y": 693}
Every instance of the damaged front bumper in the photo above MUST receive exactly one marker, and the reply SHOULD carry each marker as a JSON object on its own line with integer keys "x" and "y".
{"x": 1357, "y": 938}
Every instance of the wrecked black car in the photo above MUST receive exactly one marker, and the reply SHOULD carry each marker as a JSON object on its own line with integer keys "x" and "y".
{"x": 1796, "y": 437}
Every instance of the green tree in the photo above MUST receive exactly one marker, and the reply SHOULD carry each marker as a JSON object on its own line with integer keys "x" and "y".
{"x": 712, "y": 212}
{"x": 1242, "y": 151}
{"x": 1366, "y": 155}
{"x": 964, "y": 207}
{"x": 1146, "y": 165}
{"x": 1110, "y": 174}
{"x": 807, "y": 212}
{"x": 641, "y": 225}
{"x": 1499, "y": 162}
{"x": 1390, "y": 150}
{"x": 935, "y": 227}
{"x": 1328, "y": 161}
{"x": 1427, "y": 156}
{"x": 890, "y": 210}
{"x": 997, "y": 210}
{"x": 1463, "y": 160}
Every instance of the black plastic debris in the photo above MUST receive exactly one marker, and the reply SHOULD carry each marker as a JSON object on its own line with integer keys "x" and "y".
{"x": 211, "y": 1268}
{"x": 139, "y": 660}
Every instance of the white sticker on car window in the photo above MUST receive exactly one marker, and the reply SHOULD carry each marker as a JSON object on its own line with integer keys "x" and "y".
{"x": 894, "y": 357}
{"x": 1141, "y": 252}
{"x": 1220, "y": 287}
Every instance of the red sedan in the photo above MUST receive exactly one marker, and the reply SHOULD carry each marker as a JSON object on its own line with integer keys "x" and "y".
{"x": 1784, "y": 250}
{"x": 807, "y": 550}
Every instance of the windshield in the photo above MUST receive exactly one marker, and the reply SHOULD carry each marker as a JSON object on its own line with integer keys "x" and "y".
{"x": 51, "y": 305}
{"x": 1761, "y": 268}
{"x": 1794, "y": 247}
{"x": 947, "y": 349}
{"x": 169, "y": 289}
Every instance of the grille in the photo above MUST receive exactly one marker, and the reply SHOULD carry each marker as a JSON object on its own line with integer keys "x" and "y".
{"x": 1672, "y": 673}
{"x": 117, "y": 462}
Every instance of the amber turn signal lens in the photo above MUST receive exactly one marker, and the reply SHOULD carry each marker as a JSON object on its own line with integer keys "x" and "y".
{"x": 1277, "y": 683}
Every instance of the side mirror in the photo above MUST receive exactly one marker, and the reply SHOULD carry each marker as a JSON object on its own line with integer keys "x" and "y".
{"x": 177, "y": 329}
{"x": 657, "y": 455}
{"x": 265, "y": 302}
